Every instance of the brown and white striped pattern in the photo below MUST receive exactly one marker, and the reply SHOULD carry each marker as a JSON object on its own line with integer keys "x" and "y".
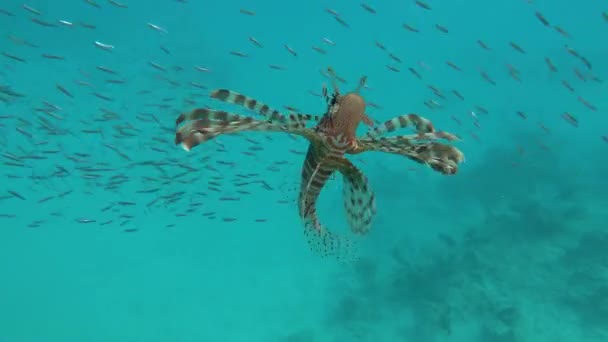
{"x": 319, "y": 165}
{"x": 407, "y": 139}
{"x": 440, "y": 157}
{"x": 421, "y": 125}
{"x": 205, "y": 124}
{"x": 262, "y": 109}
{"x": 329, "y": 141}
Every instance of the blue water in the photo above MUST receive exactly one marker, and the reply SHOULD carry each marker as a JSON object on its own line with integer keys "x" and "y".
{"x": 110, "y": 232}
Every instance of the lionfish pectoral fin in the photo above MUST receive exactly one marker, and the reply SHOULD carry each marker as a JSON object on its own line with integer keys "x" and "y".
{"x": 421, "y": 124}
{"x": 359, "y": 199}
{"x": 201, "y": 125}
{"x": 440, "y": 157}
{"x": 259, "y": 108}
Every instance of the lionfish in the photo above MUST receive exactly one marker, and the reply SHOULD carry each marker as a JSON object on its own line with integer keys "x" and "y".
{"x": 333, "y": 137}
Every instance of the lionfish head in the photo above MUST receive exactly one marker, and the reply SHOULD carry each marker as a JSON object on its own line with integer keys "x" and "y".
{"x": 348, "y": 112}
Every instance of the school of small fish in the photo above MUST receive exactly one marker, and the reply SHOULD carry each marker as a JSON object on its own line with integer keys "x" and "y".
{"x": 45, "y": 134}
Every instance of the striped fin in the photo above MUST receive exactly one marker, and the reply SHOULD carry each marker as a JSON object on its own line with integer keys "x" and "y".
{"x": 318, "y": 167}
{"x": 437, "y": 135}
{"x": 440, "y": 157}
{"x": 421, "y": 124}
{"x": 262, "y": 109}
{"x": 205, "y": 124}
{"x": 316, "y": 171}
{"x": 218, "y": 116}
{"x": 359, "y": 199}
{"x": 411, "y": 138}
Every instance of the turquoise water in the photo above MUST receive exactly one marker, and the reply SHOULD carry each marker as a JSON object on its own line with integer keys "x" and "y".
{"x": 111, "y": 232}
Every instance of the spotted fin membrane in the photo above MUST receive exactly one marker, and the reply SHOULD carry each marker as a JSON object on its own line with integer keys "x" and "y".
{"x": 359, "y": 199}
